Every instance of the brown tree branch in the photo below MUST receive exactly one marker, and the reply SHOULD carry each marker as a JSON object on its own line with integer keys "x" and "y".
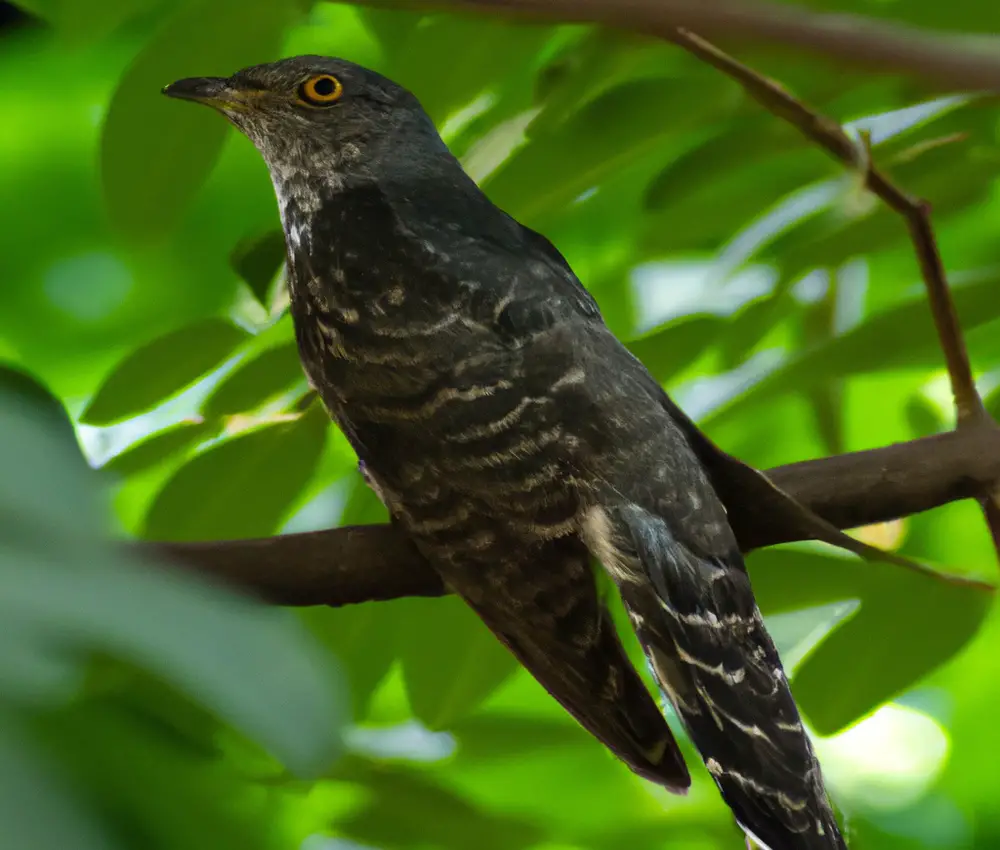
{"x": 960, "y": 62}
{"x": 376, "y": 563}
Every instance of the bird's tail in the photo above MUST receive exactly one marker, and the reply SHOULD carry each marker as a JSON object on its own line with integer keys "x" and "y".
{"x": 697, "y": 620}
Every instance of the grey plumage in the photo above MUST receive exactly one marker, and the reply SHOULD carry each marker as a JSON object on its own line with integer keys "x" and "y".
{"x": 512, "y": 437}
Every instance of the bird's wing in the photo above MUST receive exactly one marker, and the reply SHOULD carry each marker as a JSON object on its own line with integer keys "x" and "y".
{"x": 496, "y": 512}
{"x": 548, "y": 612}
{"x": 697, "y": 621}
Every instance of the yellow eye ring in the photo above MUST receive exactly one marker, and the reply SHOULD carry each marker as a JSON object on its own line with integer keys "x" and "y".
{"x": 321, "y": 90}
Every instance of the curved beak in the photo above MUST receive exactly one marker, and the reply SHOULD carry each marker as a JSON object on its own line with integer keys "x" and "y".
{"x": 212, "y": 91}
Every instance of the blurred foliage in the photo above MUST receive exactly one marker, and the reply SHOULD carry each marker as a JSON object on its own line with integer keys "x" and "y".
{"x": 142, "y": 293}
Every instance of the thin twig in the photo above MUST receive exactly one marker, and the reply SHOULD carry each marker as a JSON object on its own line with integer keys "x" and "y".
{"x": 950, "y": 62}
{"x": 831, "y": 137}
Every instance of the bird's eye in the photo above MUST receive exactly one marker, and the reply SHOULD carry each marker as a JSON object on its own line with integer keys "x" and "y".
{"x": 321, "y": 90}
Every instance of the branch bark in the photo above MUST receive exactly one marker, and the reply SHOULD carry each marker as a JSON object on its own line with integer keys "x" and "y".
{"x": 376, "y": 563}
{"x": 960, "y": 62}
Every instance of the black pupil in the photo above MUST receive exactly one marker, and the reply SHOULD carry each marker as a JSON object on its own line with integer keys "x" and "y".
{"x": 324, "y": 86}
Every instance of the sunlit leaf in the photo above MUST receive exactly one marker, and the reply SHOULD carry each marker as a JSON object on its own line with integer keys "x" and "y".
{"x": 622, "y": 125}
{"x": 864, "y": 348}
{"x": 908, "y": 624}
{"x": 364, "y": 639}
{"x": 750, "y": 325}
{"x": 665, "y": 351}
{"x": 451, "y": 661}
{"x": 705, "y": 209}
{"x": 241, "y": 487}
{"x": 407, "y": 809}
{"x": 992, "y": 403}
{"x": 748, "y": 143}
{"x": 363, "y": 506}
{"x": 924, "y": 418}
{"x": 162, "y": 368}
{"x": 255, "y": 381}
{"x": 158, "y": 448}
{"x": 487, "y": 736}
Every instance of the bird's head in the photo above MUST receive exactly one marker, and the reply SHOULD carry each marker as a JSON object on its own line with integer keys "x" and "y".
{"x": 313, "y": 115}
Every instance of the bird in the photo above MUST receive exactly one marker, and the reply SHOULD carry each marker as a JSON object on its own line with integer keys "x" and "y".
{"x": 517, "y": 442}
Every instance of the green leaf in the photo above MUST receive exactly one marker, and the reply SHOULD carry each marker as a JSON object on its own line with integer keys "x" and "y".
{"x": 491, "y": 736}
{"x": 151, "y": 452}
{"x": 451, "y": 661}
{"x": 34, "y": 671}
{"x": 68, "y": 593}
{"x": 408, "y": 809}
{"x": 863, "y": 348}
{"x": 826, "y": 401}
{"x": 45, "y": 9}
{"x": 242, "y": 487}
{"x": 709, "y": 208}
{"x": 950, "y": 176}
{"x": 670, "y": 348}
{"x": 156, "y": 153}
{"x": 745, "y": 142}
{"x": 37, "y": 460}
{"x": 162, "y": 368}
{"x": 487, "y": 50}
{"x": 621, "y": 126}
{"x": 907, "y": 625}
{"x": 924, "y": 418}
{"x": 256, "y": 381}
{"x": 257, "y": 260}
{"x": 249, "y": 663}
{"x": 37, "y": 808}
{"x": 750, "y": 325}
{"x": 363, "y": 506}
{"x": 585, "y": 64}
{"x": 391, "y": 27}
{"x": 142, "y": 770}
{"x": 364, "y": 640}
{"x": 17, "y": 385}
{"x": 887, "y": 648}
{"x": 83, "y": 22}
{"x": 992, "y": 404}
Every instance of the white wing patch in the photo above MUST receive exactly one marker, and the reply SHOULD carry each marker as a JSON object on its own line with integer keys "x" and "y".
{"x": 597, "y": 533}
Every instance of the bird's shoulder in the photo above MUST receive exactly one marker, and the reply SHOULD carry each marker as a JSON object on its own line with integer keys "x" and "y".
{"x": 516, "y": 277}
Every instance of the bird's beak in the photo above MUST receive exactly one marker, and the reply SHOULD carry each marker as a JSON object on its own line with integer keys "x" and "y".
{"x": 212, "y": 91}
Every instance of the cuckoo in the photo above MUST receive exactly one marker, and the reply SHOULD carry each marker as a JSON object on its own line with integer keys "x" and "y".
{"x": 516, "y": 441}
